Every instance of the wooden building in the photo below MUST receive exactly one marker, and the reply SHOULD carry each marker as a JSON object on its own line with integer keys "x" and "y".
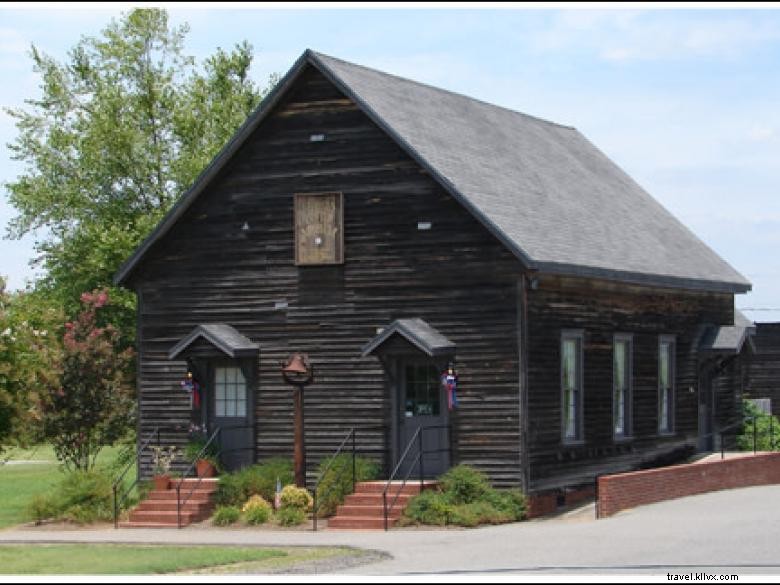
{"x": 387, "y": 229}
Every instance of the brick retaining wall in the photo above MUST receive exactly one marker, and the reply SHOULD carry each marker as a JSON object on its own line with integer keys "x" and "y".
{"x": 628, "y": 490}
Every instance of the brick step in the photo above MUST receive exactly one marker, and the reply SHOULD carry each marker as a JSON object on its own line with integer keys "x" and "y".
{"x": 197, "y": 495}
{"x": 148, "y": 525}
{"x": 377, "y": 487}
{"x": 163, "y": 517}
{"x": 360, "y": 523}
{"x": 205, "y": 486}
{"x": 367, "y": 511}
{"x": 376, "y": 499}
{"x": 170, "y": 506}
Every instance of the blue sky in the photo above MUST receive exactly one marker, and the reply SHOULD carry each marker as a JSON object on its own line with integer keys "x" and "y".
{"x": 686, "y": 101}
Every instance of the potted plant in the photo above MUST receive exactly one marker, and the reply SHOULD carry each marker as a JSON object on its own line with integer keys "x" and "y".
{"x": 207, "y": 463}
{"x": 162, "y": 458}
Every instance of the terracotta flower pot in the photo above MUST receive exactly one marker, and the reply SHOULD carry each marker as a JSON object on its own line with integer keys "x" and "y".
{"x": 205, "y": 468}
{"x": 161, "y": 482}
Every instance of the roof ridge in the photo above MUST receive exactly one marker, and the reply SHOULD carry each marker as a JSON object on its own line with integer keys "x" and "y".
{"x": 317, "y": 54}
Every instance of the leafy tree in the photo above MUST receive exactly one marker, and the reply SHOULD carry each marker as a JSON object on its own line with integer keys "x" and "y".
{"x": 29, "y": 356}
{"x": 122, "y": 127}
{"x": 93, "y": 405}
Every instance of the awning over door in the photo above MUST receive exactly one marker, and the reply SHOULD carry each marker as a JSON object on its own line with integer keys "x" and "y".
{"x": 417, "y": 332}
{"x": 728, "y": 339}
{"x": 221, "y": 336}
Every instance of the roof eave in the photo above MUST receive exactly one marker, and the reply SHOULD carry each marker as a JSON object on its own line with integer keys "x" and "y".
{"x": 660, "y": 280}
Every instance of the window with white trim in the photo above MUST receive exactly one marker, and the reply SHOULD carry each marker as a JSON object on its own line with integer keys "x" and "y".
{"x": 621, "y": 386}
{"x": 229, "y": 392}
{"x": 571, "y": 385}
{"x": 666, "y": 384}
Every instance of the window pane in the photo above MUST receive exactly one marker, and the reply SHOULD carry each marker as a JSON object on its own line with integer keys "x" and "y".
{"x": 664, "y": 365}
{"x": 240, "y": 376}
{"x": 621, "y": 386}
{"x": 241, "y": 408}
{"x": 571, "y": 387}
{"x": 220, "y": 391}
{"x": 220, "y": 408}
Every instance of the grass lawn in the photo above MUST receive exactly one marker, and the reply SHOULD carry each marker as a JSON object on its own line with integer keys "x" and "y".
{"x": 108, "y": 559}
{"x": 20, "y": 483}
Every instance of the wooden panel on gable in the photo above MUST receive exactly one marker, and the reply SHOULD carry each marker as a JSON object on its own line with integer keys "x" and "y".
{"x": 319, "y": 228}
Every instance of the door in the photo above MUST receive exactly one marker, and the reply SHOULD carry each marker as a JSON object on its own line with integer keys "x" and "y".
{"x": 423, "y": 405}
{"x": 231, "y": 410}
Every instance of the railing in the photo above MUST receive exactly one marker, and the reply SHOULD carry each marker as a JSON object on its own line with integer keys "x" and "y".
{"x": 179, "y": 504}
{"x": 736, "y": 428}
{"x": 417, "y": 438}
{"x": 316, "y": 505}
{"x": 119, "y": 500}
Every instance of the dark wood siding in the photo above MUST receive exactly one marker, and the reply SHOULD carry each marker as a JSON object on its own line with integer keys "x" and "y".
{"x": 763, "y": 365}
{"x": 456, "y": 276}
{"x": 602, "y": 309}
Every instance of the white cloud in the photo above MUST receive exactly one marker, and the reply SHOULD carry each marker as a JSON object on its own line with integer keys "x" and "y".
{"x": 621, "y": 36}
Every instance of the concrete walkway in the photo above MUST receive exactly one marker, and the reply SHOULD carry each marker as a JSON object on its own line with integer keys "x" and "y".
{"x": 733, "y": 531}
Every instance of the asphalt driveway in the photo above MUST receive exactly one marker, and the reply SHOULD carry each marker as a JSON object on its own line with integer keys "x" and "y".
{"x": 734, "y": 531}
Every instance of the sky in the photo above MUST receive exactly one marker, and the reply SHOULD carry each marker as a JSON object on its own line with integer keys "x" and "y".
{"x": 686, "y": 101}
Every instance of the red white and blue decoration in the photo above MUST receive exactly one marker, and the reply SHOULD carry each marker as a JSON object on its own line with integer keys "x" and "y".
{"x": 449, "y": 380}
{"x": 190, "y": 386}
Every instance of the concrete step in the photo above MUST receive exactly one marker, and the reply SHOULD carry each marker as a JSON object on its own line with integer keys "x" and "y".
{"x": 367, "y": 511}
{"x": 360, "y": 523}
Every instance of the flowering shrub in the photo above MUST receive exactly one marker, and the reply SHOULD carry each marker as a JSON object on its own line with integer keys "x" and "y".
{"x": 93, "y": 405}
{"x": 295, "y": 497}
{"x": 256, "y": 510}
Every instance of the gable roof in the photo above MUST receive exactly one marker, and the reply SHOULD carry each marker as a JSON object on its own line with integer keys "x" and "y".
{"x": 417, "y": 332}
{"x": 220, "y": 335}
{"x": 549, "y": 195}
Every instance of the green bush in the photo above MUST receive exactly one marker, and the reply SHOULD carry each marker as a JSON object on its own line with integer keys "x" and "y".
{"x": 464, "y": 498}
{"x": 290, "y": 516}
{"x": 295, "y": 497}
{"x": 256, "y": 510}
{"x": 767, "y": 439}
{"x": 226, "y": 515}
{"x": 236, "y": 488}
{"x": 82, "y": 497}
{"x": 464, "y": 484}
{"x": 430, "y": 507}
{"x": 336, "y": 484}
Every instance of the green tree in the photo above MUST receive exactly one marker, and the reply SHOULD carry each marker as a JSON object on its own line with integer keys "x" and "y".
{"x": 29, "y": 360}
{"x": 93, "y": 404}
{"x": 121, "y": 129}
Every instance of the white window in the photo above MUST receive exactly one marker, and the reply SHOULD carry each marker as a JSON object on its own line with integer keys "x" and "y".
{"x": 666, "y": 384}
{"x": 230, "y": 392}
{"x": 571, "y": 385}
{"x": 621, "y": 386}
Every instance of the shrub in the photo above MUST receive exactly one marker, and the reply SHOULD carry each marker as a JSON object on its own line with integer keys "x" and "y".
{"x": 290, "y": 516}
{"x": 236, "y": 488}
{"x": 429, "y": 507}
{"x": 767, "y": 439}
{"x": 256, "y": 510}
{"x": 295, "y": 497}
{"x": 226, "y": 515}
{"x": 336, "y": 484}
{"x": 464, "y": 498}
{"x": 82, "y": 497}
{"x": 464, "y": 484}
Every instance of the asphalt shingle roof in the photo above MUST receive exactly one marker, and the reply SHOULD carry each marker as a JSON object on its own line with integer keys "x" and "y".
{"x": 541, "y": 188}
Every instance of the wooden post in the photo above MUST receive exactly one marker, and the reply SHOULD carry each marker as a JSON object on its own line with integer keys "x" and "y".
{"x": 299, "y": 452}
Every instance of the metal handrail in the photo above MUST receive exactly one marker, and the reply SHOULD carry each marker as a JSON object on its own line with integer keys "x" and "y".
{"x": 200, "y": 455}
{"x": 417, "y": 436}
{"x": 315, "y": 505}
{"x": 115, "y": 486}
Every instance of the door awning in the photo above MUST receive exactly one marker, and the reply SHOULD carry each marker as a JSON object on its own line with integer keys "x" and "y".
{"x": 417, "y": 332}
{"x": 729, "y": 339}
{"x": 220, "y": 335}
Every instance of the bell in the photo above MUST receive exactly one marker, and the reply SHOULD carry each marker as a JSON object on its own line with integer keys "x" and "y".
{"x": 296, "y": 365}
